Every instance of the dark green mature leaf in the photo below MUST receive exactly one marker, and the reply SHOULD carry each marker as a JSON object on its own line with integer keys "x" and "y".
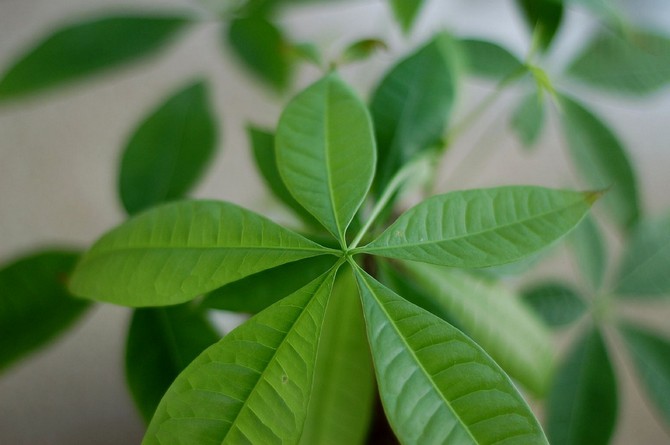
{"x": 495, "y": 318}
{"x": 601, "y": 159}
{"x": 557, "y": 304}
{"x": 261, "y": 46}
{"x": 175, "y": 252}
{"x": 645, "y": 265}
{"x": 35, "y": 305}
{"x": 412, "y": 104}
{"x": 489, "y": 60}
{"x": 343, "y": 392}
{"x": 590, "y": 251}
{"x": 436, "y": 384}
{"x": 326, "y": 152}
{"x": 263, "y": 145}
{"x": 258, "y": 291}
{"x": 482, "y": 228}
{"x": 543, "y": 17}
{"x": 253, "y": 386}
{"x": 85, "y": 48}
{"x": 650, "y": 355}
{"x": 528, "y": 118}
{"x": 405, "y": 12}
{"x": 635, "y": 63}
{"x": 582, "y": 407}
{"x": 169, "y": 150}
{"x": 161, "y": 343}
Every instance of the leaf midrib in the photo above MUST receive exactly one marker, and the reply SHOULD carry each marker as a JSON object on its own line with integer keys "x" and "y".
{"x": 326, "y": 149}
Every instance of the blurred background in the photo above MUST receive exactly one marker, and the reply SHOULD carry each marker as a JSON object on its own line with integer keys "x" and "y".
{"x": 60, "y": 153}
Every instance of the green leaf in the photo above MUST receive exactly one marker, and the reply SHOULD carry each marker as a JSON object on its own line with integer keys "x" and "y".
{"x": 262, "y": 47}
{"x": 263, "y": 145}
{"x": 35, "y": 305}
{"x": 175, "y": 252}
{"x": 582, "y": 406}
{"x": 635, "y": 63}
{"x": 557, "y": 304}
{"x": 602, "y": 160}
{"x": 169, "y": 150}
{"x": 340, "y": 408}
{"x": 543, "y": 17}
{"x": 646, "y": 260}
{"x": 412, "y": 104}
{"x": 326, "y": 152}
{"x": 650, "y": 356}
{"x": 436, "y": 384}
{"x": 161, "y": 343}
{"x": 590, "y": 251}
{"x": 405, "y": 12}
{"x": 361, "y": 50}
{"x": 489, "y": 60}
{"x": 258, "y": 291}
{"x": 482, "y": 228}
{"x": 528, "y": 119}
{"x": 495, "y": 318}
{"x": 86, "y": 48}
{"x": 253, "y": 386}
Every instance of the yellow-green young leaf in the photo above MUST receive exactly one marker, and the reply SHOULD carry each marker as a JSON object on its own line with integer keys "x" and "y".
{"x": 528, "y": 118}
{"x": 326, "y": 152}
{"x": 35, "y": 305}
{"x": 543, "y": 17}
{"x": 175, "y": 252}
{"x": 340, "y": 409}
{"x": 557, "y": 304}
{"x": 637, "y": 62}
{"x": 482, "y": 228}
{"x": 85, "y": 48}
{"x": 412, "y": 104}
{"x": 261, "y": 46}
{"x": 436, "y": 384}
{"x": 495, "y": 318}
{"x": 590, "y": 252}
{"x": 361, "y": 50}
{"x": 489, "y": 60}
{"x": 253, "y": 386}
{"x": 169, "y": 150}
{"x": 405, "y": 12}
{"x": 645, "y": 266}
{"x": 161, "y": 343}
{"x": 582, "y": 405}
{"x": 601, "y": 159}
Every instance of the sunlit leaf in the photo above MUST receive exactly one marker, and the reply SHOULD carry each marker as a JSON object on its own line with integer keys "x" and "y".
{"x": 490, "y": 60}
{"x": 169, "y": 150}
{"x": 557, "y": 304}
{"x": 85, "y": 48}
{"x": 436, "y": 384}
{"x": 253, "y": 386}
{"x": 543, "y": 17}
{"x": 590, "y": 251}
{"x": 35, "y": 305}
{"x": 177, "y": 251}
{"x": 528, "y": 119}
{"x": 405, "y": 12}
{"x": 482, "y": 228}
{"x": 326, "y": 152}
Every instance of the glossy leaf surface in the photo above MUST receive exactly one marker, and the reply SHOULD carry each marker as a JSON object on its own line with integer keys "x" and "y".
{"x": 175, "y": 252}
{"x": 169, "y": 150}
{"x": 405, "y": 12}
{"x": 495, "y": 318}
{"x": 601, "y": 159}
{"x": 161, "y": 343}
{"x": 85, "y": 48}
{"x": 646, "y": 260}
{"x": 35, "y": 305}
{"x": 557, "y": 304}
{"x": 590, "y": 252}
{"x": 436, "y": 384}
{"x": 253, "y": 386}
{"x": 528, "y": 119}
{"x": 412, "y": 104}
{"x": 481, "y": 228}
{"x": 489, "y": 60}
{"x": 543, "y": 17}
{"x": 582, "y": 406}
{"x": 326, "y": 152}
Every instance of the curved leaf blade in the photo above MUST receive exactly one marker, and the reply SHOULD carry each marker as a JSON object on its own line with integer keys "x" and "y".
{"x": 405, "y": 12}
{"x": 85, "y": 48}
{"x": 169, "y": 150}
{"x": 557, "y": 304}
{"x": 326, "y": 152}
{"x": 436, "y": 384}
{"x": 482, "y": 228}
{"x": 253, "y": 386}
{"x": 35, "y": 305}
{"x": 489, "y": 60}
{"x": 543, "y": 17}
{"x": 161, "y": 342}
{"x": 175, "y": 252}
{"x": 590, "y": 251}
